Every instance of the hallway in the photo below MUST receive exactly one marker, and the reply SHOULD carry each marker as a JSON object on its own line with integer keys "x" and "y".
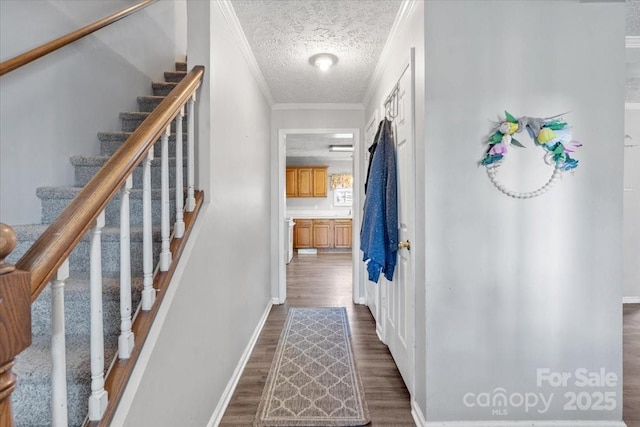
{"x": 325, "y": 281}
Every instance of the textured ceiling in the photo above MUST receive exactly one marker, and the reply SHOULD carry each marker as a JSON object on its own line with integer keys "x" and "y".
{"x": 283, "y": 34}
{"x": 633, "y": 17}
{"x": 317, "y": 146}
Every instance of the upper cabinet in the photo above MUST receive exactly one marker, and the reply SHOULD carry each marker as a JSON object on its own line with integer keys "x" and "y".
{"x": 306, "y": 181}
{"x": 292, "y": 182}
{"x": 320, "y": 182}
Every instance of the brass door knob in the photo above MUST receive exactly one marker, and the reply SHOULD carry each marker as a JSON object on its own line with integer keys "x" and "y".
{"x": 406, "y": 244}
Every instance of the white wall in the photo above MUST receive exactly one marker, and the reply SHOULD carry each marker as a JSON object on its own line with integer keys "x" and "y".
{"x": 631, "y": 225}
{"x": 410, "y": 36}
{"x": 518, "y": 285}
{"x": 224, "y": 289}
{"x": 54, "y": 107}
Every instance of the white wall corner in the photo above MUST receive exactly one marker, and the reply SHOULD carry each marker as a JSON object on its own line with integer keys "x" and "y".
{"x": 394, "y": 33}
{"x": 418, "y": 416}
{"x": 236, "y": 29}
{"x": 631, "y": 300}
{"x": 216, "y": 417}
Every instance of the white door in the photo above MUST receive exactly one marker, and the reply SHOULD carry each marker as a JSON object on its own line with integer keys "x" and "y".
{"x": 371, "y": 289}
{"x": 398, "y": 296}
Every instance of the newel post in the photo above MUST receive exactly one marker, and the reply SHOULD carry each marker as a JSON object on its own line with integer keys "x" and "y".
{"x": 15, "y": 320}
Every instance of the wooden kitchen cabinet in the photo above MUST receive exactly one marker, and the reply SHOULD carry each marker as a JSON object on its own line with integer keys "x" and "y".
{"x": 306, "y": 181}
{"x": 302, "y": 233}
{"x": 322, "y": 233}
{"x": 319, "y": 182}
{"x": 342, "y": 234}
{"x": 292, "y": 182}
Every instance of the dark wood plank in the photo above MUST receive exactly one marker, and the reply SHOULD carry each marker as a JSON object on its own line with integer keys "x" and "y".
{"x": 324, "y": 280}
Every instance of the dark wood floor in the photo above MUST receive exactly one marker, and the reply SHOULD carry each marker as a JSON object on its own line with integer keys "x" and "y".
{"x": 631, "y": 365}
{"x": 325, "y": 281}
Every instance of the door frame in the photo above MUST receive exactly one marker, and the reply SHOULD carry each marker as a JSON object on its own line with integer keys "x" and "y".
{"x": 280, "y": 292}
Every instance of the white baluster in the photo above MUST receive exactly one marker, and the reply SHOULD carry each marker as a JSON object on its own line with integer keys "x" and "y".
{"x": 58, "y": 349}
{"x": 126, "y": 338}
{"x": 98, "y": 399}
{"x": 191, "y": 200}
{"x": 165, "y": 252}
{"x": 178, "y": 228}
{"x": 148, "y": 293}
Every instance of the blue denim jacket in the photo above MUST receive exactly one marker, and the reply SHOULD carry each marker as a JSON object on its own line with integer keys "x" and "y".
{"x": 379, "y": 232}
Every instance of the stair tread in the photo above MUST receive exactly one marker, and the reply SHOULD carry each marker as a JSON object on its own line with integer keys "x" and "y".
{"x": 101, "y": 160}
{"x": 34, "y": 363}
{"x": 123, "y": 136}
{"x": 136, "y": 115}
{"x": 151, "y": 97}
{"x": 62, "y": 192}
{"x": 32, "y": 232}
{"x": 78, "y": 282}
{"x": 164, "y": 84}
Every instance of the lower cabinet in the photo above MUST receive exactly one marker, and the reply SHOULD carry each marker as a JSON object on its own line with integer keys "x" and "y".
{"x": 302, "y": 234}
{"x": 342, "y": 234}
{"x": 322, "y": 234}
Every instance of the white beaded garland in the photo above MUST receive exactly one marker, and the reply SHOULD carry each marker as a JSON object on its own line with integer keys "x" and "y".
{"x": 492, "y": 171}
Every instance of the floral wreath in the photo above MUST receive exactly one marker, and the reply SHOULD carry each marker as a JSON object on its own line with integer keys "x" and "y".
{"x": 552, "y": 134}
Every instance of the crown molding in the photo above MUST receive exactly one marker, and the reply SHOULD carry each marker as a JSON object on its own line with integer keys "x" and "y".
{"x": 394, "y": 34}
{"x": 310, "y": 106}
{"x": 632, "y": 42}
{"x": 238, "y": 34}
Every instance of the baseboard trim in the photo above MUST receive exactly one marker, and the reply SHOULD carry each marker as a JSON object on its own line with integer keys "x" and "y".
{"x": 216, "y": 417}
{"x": 550, "y": 423}
{"x": 631, "y": 300}
{"x": 275, "y": 301}
{"x": 418, "y": 416}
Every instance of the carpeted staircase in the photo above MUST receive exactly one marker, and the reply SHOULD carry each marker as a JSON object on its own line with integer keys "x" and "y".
{"x": 32, "y": 398}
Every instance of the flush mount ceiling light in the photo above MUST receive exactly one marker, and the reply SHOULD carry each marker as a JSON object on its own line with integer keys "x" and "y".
{"x": 324, "y": 61}
{"x": 341, "y": 148}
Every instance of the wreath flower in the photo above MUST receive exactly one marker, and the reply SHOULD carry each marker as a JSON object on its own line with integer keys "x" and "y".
{"x": 552, "y": 134}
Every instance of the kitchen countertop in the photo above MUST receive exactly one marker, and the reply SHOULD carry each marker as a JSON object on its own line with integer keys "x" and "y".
{"x": 318, "y": 214}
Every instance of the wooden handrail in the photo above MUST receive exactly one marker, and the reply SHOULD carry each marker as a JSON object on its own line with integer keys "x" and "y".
{"x": 40, "y": 51}
{"x": 54, "y": 246}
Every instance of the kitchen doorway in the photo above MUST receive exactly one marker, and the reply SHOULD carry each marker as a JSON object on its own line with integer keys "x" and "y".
{"x": 309, "y": 148}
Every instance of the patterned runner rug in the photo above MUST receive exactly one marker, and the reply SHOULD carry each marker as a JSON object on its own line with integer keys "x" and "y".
{"x": 313, "y": 379}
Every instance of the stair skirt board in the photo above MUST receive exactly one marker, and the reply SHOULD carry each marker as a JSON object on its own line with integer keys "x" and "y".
{"x": 32, "y": 397}
{"x": 129, "y": 393}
